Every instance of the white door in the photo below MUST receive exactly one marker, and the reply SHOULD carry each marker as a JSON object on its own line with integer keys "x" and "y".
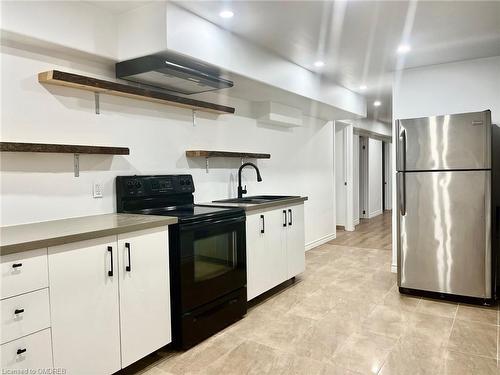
{"x": 295, "y": 241}
{"x": 144, "y": 293}
{"x": 355, "y": 179}
{"x": 83, "y": 285}
{"x": 388, "y": 176}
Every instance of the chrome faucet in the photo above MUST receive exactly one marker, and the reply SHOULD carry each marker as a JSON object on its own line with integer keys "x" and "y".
{"x": 242, "y": 191}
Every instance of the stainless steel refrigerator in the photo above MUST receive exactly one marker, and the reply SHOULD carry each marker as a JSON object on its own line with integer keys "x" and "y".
{"x": 447, "y": 215}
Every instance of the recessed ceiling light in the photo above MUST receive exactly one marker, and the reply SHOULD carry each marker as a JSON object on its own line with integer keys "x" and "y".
{"x": 362, "y": 87}
{"x": 404, "y": 48}
{"x": 319, "y": 64}
{"x": 226, "y": 14}
{"x": 377, "y": 103}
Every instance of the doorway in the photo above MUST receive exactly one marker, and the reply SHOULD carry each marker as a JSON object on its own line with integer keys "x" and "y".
{"x": 363, "y": 190}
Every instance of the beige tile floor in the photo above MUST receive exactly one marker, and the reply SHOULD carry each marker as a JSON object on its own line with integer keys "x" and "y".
{"x": 344, "y": 315}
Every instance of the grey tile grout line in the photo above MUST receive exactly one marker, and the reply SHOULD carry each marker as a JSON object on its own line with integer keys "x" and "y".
{"x": 399, "y": 338}
{"x": 452, "y": 325}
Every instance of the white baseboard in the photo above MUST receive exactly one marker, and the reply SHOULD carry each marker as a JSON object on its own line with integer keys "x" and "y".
{"x": 394, "y": 268}
{"x": 376, "y": 213}
{"x": 320, "y": 241}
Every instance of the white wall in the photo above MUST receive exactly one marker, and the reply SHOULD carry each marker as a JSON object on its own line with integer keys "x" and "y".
{"x": 39, "y": 187}
{"x": 373, "y": 126}
{"x": 78, "y": 25}
{"x": 374, "y": 177}
{"x": 466, "y": 86}
{"x": 83, "y": 27}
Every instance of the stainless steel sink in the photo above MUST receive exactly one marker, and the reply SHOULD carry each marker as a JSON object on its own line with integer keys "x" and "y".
{"x": 272, "y": 197}
{"x": 256, "y": 199}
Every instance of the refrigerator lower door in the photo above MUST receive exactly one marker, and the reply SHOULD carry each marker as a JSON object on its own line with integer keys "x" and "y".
{"x": 444, "y": 232}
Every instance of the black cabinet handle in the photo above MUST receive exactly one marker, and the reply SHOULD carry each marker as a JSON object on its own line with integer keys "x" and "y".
{"x": 18, "y": 311}
{"x": 16, "y": 265}
{"x": 21, "y": 351}
{"x": 110, "y": 249}
{"x": 129, "y": 267}
{"x": 284, "y": 215}
{"x": 290, "y": 220}
{"x": 263, "y": 229}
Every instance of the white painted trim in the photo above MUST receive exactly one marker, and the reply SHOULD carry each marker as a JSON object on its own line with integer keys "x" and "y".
{"x": 394, "y": 268}
{"x": 356, "y": 222}
{"x": 320, "y": 241}
{"x": 376, "y": 213}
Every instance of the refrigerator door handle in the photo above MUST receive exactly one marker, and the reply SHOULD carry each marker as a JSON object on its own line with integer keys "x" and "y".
{"x": 402, "y": 151}
{"x": 402, "y": 193}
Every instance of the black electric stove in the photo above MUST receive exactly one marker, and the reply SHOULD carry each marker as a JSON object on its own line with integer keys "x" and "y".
{"x": 191, "y": 212}
{"x": 207, "y": 253}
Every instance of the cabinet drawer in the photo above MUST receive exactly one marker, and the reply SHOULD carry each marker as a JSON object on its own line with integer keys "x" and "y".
{"x": 35, "y": 352}
{"x": 24, "y": 272}
{"x": 24, "y": 314}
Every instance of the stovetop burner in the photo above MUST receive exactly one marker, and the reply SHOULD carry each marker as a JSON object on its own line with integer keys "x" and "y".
{"x": 190, "y": 212}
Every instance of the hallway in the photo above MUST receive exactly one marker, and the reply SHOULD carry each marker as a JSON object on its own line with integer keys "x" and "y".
{"x": 369, "y": 234}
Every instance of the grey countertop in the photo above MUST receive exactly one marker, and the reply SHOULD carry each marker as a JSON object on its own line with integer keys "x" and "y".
{"x": 262, "y": 206}
{"x": 18, "y": 238}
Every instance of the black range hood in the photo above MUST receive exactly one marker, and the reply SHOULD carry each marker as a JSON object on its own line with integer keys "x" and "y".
{"x": 172, "y": 72}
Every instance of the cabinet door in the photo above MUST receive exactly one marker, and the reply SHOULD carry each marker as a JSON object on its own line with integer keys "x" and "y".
{"x": 276, "y": 220}
{"x": 295, "y": 241}
{"x": 84, "y": 306}
{"x": 257, "y": 256}
{"x": 266, "y": 252}
{"x": 144, "y": 293}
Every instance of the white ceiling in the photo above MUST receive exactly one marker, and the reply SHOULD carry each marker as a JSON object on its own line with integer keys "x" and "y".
{"x": 357, "y": 40}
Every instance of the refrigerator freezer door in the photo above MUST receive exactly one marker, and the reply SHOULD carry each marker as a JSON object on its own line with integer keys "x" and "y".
{"x": 444, "y": 232}
{"x": 460, "y": 141}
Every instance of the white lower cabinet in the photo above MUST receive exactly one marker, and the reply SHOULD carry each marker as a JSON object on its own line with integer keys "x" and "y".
{"x": 275, "y": 247}
{"x": 83, "y": 282}
{"x": 295, "y": 241}
{"x": 23, "y": 272}
{"x": 266, "y": 252}
{"x": 144, "y": 293}
{"x": 24, "y": 314}
{"x": 105, "y": 316}
{"x": 28, "y": 353}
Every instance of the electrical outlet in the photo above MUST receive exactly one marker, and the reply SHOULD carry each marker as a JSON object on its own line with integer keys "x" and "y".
{"x": 97, "y": 190}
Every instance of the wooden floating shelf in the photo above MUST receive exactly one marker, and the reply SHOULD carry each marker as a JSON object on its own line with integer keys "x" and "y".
{"x": 58, "y": 148}
{"x": 57, "y": 77}
{"x": 225, "y": 154}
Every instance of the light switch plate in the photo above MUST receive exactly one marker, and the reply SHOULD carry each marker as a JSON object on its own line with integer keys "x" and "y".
{"x": 97, "y": 190}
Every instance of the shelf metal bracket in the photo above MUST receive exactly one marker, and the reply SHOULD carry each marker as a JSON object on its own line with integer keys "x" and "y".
{"x": 194, "y": 117}
{"x": 76, "y": 164}
{"x": 97, "y": 103}
{"x": 206, "y": 164}
{"x": 242, "y": 161}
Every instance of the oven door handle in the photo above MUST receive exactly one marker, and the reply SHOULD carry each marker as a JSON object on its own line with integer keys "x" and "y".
{"x": 205, "y": 223}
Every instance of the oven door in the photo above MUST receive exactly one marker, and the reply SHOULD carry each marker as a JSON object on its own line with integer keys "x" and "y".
{"x": 213, "y": 260}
